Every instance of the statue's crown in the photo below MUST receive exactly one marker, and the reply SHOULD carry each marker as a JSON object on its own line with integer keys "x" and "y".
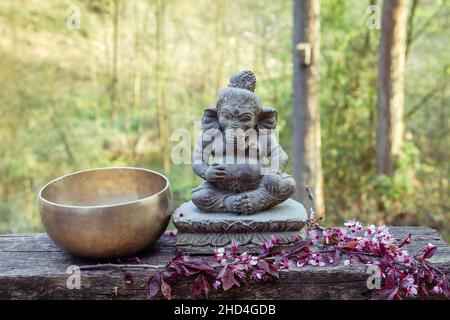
{"x": 244, "y": 80}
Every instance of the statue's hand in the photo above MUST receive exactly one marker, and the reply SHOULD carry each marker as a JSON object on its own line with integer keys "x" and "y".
{"x": 272, "y": 182}
{"x": 215, "y": 173}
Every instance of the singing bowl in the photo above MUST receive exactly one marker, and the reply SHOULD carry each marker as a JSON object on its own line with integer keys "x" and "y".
{"x": 106, "y": 212}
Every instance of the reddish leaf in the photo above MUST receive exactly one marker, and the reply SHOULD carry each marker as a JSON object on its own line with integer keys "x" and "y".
{"x": 394, "y": 295}
{"x": 187, "y": 271}
{"x": 351, "y": 245}
{"x": 423, "y": 292}
{"x": 273, "y": 270}
{"x": 154, "y": 285}
{"x": 361, "y": 259}
{"x": 222, "y": 272}
{"x": 383, "y": 250}
{"x": 430, "y": 277}
{"x": 166, "y": 290}
{"x": 199, "y": 264}
{"x": 176, "y": 266}
{"x": 263, "y": 265}
{"x": 170, "y": 274}
{"x": 268, "y": 267}
{"x": 197, "y": 287}
{"x": 406, "y": 241}
{"x": 228, "y": 279}
{"x": 298, "y": 246}
{"x": 200, "y": 285}
{"x": 206, "y": 287}
{"x": 429, "y": 252}
{"x": 390, "y": 280}
{"x": 385, "y": 291}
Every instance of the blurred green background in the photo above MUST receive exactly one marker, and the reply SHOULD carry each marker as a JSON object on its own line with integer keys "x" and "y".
{"x": 101, "y": 94}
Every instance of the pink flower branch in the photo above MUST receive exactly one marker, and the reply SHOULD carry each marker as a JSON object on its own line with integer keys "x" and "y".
{"x": 403, "y": 275}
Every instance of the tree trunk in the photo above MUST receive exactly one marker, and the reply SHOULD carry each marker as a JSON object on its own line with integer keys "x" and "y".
{"x": 113, "y": 89}
{"x": 306, "y": 116}
{"x": 391, "y": 68}
{"x": 160, "y": 83}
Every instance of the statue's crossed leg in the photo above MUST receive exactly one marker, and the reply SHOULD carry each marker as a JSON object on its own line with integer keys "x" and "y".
{"x": 211, "y": 199}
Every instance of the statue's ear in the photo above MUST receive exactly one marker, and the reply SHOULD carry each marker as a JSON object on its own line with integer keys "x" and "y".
{"x": 268, "y": 118}
{"x": 209, "y": 120}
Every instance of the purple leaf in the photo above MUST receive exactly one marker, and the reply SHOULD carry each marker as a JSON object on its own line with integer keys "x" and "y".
{"x": 199, "y": 264}
{"x": 385, "y": 291}
{"x": 197, "y": 287}
{"x": 228, "y": 279}
{"x": 186, "y": 270}
{"x": 429, "y": 252}
{"x": 406, "y": 241}
{"x": 298, "y": 246}
{"x": 154, "y": 285}
{"x": 390, "y": 280}
{"x": 268, "y": 267}
{"x": 394, "y": 294}
{"x": 166, "y": 290}
{"x": 382, "y": 249}
{"x": 200, "y": 285}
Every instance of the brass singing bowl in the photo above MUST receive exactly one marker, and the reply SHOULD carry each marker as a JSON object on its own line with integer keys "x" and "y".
{"x": 106, "y": 212}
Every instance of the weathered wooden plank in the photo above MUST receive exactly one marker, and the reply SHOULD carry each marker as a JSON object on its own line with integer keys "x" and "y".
{"x": 32, "y": 267}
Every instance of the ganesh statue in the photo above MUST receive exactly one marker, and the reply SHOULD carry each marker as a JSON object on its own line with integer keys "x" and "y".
{"x": 245, "y": 195}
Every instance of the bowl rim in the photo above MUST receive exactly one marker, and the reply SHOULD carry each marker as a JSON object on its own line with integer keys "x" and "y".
{"x": 41, "y": 198}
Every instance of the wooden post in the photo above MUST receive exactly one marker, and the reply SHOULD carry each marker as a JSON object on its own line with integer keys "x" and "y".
{"x": 391, "y": 69}
{"x": 306, "y": 135}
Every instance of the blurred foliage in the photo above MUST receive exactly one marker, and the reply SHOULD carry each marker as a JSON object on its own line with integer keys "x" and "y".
{"x": 55, "y": 97}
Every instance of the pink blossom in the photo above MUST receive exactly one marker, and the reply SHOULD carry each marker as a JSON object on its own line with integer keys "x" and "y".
{"x": 438, "y": 289}
{"x": 370, "y": 231}
{"x": 217, "y": 284}
{"x": 314, "y": 236}
{"x": 316, "y": 260}
{"x": 301, "y": 263}
{"x": 383, "y": 232}
{"x": 403, "y": 273}
{"x": 353, "y": 225}
{"x": 328, "y": 234}
{"x": 403, "y": 257}
{"x": 275, "y": 239}
{"x": 238, "y": 273}
{"x": 409, "y": 286}
{"x": 267, "y": 246}
{"x": 219, "y": 255}
{"x": 257, "y": 274}
{"x": 247, "y": 259}
{"x": 284, "y": 263}
{"x": 218, "y": 252}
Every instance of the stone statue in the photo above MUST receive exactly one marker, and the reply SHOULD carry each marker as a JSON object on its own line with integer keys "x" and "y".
{"x": 238, "y": 154}
{"x": 245, "y": 196}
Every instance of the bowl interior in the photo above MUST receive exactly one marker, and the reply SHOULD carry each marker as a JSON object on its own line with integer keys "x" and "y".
{"x": 105, "y": 186}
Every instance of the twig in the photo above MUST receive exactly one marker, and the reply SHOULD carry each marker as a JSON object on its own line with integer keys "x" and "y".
{"x": 425, "y": 99}
{"x": 312, "y": 210}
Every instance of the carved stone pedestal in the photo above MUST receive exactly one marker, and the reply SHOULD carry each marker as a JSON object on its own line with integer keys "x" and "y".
{"x": 203, "y": 231}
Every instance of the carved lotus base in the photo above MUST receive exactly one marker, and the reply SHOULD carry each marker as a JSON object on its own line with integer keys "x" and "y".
{"x": 203, "y": 231}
